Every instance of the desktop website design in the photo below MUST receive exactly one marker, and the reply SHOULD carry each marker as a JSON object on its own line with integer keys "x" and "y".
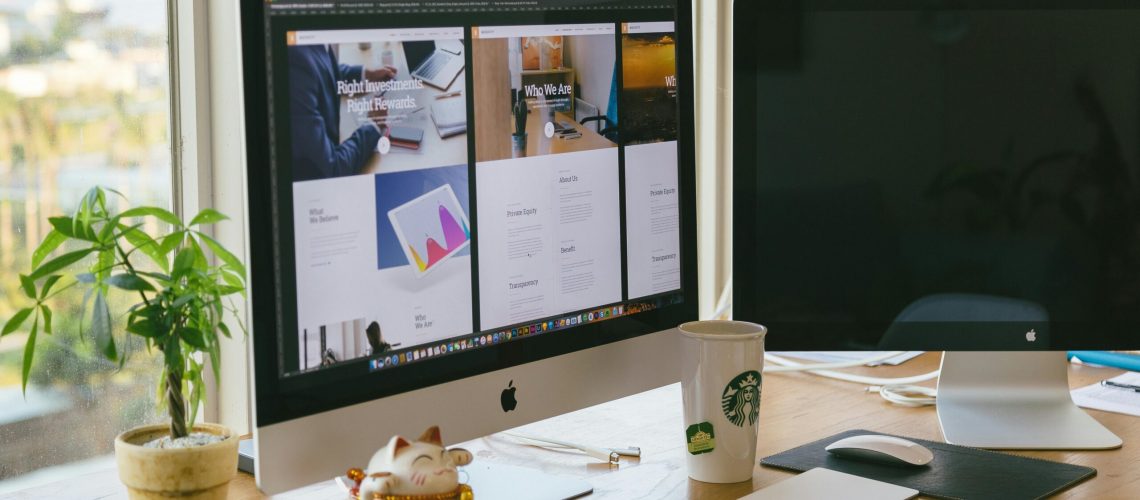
{"x": 384, "y": 199}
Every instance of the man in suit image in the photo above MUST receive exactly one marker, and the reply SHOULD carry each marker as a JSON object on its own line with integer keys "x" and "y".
{"x": 314, "y": 107}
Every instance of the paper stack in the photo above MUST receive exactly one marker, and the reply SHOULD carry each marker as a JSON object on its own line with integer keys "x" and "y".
{"x": 450, "y": 116}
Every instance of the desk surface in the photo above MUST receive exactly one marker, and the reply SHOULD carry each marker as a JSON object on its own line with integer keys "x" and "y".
{"x": 538, "y": 144}
{"x": 796, "y": 408}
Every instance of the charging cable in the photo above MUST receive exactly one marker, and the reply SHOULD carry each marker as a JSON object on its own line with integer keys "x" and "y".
{"x": 906, "y": 395}
{"x": 610, "y": 455}
{"x": 785, "y": 365}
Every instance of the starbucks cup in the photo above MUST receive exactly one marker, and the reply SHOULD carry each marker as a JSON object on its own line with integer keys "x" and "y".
{"x": 721, "y": 368}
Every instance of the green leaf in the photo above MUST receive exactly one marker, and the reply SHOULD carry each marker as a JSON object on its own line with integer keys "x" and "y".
{"x": 157, "y": 276}
{"x": 63, "y": 225}
{"x": 172, "y": 353}
{"x": 108, "y": 228}
{"x": 158, "y": 213}
{"x": 225, "y": 330}
{"x": 145, "y": 328}
{"x": 73, "y": 228}
{"x": 15, "y": 321}
{"x": 29, "y": 351}
{"x": 171, "y": 241}
{"x": 208, "y": 216}
{"x": 130, "y": 282}
{"x": 45, "y": 311}
{"x": 215, "y": 361}
{"x": 192, "y": 336}
{"x": 58, "y": 263}
{"x": 196, "y": 394}
{"x": 145, "y": 244}
{"x": 29, "y": 286}
{"x": 101, "y": 327}
{"x": 228, "y": 258}
{"x": 200, "y": 262}
{"x": 184, "y": 262}
{"x": 183, "y": 300}
{"x": 121, "y": 195}
{"x": 52, "y": 241}
{"x": 48, "y": 283}
{"x": 232, "y": 279}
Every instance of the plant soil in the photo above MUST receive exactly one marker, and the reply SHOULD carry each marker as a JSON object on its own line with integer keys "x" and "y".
{"x": 194, "y": 439}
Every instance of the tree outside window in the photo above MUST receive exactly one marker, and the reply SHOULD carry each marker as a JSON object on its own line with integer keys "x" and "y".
{"x": 84, "y": 101}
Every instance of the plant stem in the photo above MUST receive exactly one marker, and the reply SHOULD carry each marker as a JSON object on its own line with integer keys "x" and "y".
{"x": 176, "y": 403}
{"x": 131, "y": 270}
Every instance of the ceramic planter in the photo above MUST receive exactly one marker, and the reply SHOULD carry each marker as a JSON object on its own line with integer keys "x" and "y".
{"x": 198, "y": 473}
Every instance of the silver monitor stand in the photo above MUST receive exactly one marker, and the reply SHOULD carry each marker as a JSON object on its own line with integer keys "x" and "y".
{"x": 1014, "y": 400}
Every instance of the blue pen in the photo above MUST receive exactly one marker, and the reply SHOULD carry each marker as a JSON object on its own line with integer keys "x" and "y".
{"x": 1105, "y": 358}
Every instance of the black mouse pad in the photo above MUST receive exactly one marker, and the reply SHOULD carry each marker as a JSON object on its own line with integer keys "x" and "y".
{"x": 957, "y": 472}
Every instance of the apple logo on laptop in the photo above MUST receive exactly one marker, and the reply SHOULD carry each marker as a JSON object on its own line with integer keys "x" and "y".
{"x": 507, "y": 398}
{"x": 1031, "y": 335}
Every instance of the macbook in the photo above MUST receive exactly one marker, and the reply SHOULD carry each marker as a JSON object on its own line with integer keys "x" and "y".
{"x": 436, "y": 66}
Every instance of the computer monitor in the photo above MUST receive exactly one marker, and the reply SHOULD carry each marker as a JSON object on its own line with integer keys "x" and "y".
{"x": 957, "y": 176}
{"x": 480, "y": 254}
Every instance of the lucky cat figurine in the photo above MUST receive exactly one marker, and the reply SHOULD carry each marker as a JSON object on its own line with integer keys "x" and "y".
{"x": 414, "y": 469}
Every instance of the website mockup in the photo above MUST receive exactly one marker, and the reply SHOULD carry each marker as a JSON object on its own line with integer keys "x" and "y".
{"x": 550, "y": 240}
{"x": 380, "y": 199}
{"x": 414, "y": 239}
{"x": 649, "y": 94}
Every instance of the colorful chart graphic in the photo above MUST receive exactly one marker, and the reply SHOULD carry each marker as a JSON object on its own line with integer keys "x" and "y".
{"x": 455, "y": 235}
{"x": 431, "y": 228}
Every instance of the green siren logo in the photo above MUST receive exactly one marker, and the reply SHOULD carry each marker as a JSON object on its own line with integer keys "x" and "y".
{"x": 741, "y": 398}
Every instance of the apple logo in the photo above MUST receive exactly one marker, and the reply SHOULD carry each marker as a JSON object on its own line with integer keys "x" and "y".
{"x": 1031, "y": 335}
{"x": 507, "y": 399}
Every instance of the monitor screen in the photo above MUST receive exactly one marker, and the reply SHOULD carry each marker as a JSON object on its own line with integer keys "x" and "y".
{"x": 975, "y": 158}
{"x": 442, "y": 189}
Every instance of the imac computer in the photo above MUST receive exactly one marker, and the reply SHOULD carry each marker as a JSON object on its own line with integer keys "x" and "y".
{"x": 467, "y": 214}
{"x": 956, "y": 176}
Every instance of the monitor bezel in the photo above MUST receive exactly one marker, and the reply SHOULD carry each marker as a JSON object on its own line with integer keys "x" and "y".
{"x": 269, "y": 304}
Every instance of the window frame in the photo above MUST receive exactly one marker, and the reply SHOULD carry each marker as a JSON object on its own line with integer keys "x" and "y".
{"x": 208, "y": 162}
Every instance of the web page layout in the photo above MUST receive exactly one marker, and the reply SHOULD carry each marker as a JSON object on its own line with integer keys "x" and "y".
{"x": 381, "y": 191}
{"x": 649, "y": 95}
{"x": 550, "y": 239}
{"x": 414, "y": 239}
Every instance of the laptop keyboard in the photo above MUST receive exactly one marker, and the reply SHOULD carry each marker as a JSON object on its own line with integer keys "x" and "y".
{"x": 432, "y": 66}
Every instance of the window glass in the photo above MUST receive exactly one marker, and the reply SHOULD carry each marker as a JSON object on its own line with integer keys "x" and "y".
{"x": 84, "y": 101}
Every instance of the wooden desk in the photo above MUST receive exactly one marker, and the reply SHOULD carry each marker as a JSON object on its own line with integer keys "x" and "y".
{"x": 796, "y": 408}
{"x": 538, "y": 144}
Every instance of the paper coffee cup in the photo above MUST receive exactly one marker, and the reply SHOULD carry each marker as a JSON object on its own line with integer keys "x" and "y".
{"x": 720, "y": 383}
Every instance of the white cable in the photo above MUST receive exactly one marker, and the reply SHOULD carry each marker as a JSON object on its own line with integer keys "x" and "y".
{"x": 610, "y": 455}
{"x": 786, "y": 365}
{"x": 858, "y": 379}
{"x": 907, "y": 395}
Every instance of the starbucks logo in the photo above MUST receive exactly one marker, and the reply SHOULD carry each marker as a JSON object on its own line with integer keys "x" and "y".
{"x": 741, "y": 398}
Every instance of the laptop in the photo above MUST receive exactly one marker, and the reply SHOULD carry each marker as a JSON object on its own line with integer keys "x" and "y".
{"x": 433, "y": 65}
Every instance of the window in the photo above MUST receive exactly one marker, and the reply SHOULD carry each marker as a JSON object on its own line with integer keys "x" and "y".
{"x": 84, "y": 100}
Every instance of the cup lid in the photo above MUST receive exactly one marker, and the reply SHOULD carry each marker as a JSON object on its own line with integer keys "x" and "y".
{"x": 722, "y": 330}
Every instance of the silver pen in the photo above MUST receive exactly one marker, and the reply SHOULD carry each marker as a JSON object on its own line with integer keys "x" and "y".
{"x": 1118, "y": 385}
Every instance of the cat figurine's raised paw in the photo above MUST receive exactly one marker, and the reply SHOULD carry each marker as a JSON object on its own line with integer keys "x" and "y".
{"x": 420, "y": 467}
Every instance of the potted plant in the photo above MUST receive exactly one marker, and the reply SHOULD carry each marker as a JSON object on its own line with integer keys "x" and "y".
{"x": 518, "y": 137}
{"x": 180, "y": 301}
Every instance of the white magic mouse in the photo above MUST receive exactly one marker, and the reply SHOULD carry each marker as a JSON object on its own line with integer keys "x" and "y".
{"x": 886, "y": 449}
